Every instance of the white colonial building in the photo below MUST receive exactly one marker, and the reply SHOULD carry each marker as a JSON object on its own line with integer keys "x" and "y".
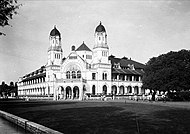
{"x": 82, "y": 72}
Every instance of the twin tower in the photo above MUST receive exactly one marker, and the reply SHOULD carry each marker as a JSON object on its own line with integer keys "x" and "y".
{"x": 100, "y": 49}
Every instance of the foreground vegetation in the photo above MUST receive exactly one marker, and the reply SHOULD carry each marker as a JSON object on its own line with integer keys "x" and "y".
{"x": 111, "y": 117}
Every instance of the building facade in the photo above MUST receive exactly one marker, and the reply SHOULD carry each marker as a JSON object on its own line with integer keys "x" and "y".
{"x": 83, "y": 71}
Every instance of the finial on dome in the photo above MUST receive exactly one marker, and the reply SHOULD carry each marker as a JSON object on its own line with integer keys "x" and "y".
{"x": 83, "y": 42}
{"x": 100, "y": 28}
{"x": 55, "y": 32}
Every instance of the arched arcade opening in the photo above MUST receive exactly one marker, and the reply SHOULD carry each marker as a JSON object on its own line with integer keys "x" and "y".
{"x": 121, "y": 90}
{"x": 129, "y": 89}
{"x": 93, "y": 90}
{"x": 76, "y": 92}
{"x": 104, "y": 89}
{"x": 68, "y": 92}
{"x": 136, "y": 90}
{"x": 114, "y": 89}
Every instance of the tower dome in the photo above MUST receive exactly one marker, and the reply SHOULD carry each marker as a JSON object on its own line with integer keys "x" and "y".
{"x": 100, "y": 37}
{"x": 55, "y": 32}
{"x": 100, "y": 28}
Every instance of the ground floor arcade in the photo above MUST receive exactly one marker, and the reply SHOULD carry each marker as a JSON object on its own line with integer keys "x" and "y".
{"x": 79, "y": 90}
{"x": 122, "y": 90}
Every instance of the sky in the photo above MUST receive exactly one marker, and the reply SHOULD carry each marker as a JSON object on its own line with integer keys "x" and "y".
{"x": 137, "y": 29}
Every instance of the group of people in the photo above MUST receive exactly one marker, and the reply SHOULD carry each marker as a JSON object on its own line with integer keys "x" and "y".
{"x": 149, "y": 97}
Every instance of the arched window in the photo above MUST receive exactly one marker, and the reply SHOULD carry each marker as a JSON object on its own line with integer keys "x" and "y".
{"x": 73, "y": 75}
{"x": 78, "y": 74}
{"x": 105, "y": 76}
{"x": 68, "y": 75}
{"x": 74, "y": 70}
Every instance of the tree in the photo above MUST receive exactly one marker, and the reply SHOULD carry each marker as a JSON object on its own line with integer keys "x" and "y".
{"x": 7, "y": 10}
{"x": 16, "y": 89}
{"x": 168, "y": 72}
{"x": 10, "y": 88}
{"x": 3, "y": 88}
{"x": 6, "y": 90}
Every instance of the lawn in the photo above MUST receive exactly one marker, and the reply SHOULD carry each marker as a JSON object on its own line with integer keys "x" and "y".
{"x": 111, "y": 117}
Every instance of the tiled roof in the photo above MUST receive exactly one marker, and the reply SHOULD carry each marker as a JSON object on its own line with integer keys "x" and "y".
{"x": 126, "y": 71}
{"x": 113, "y": 59}
{"x": 83, "y": 47}
{"x": 125, "y": 62}
{"x": 34, "y": 77}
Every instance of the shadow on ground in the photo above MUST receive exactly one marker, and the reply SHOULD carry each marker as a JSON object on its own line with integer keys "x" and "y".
{"x": 88, "y": 120}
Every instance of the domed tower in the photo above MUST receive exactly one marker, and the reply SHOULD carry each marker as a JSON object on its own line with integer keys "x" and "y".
{"x": 55, "y": 50}
{"x": 101, "y": 49}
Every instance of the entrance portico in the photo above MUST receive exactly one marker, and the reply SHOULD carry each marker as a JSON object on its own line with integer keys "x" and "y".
{"x": 70, "y": 91}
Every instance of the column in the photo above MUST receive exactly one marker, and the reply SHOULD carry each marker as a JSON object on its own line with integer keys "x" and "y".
{"x": 40, "y": 91}
{"x": 139, "y": 90}
{"x": 125, "y": 77}
{"x": 64, "y": 93}
{"x": 80, "y": 93}
{"x": 133, "y": 78}
{"x": 72, "y": 94}
{"x": 133, "y": 89}
{"x": 36, "y": 91}
{"x": 43, "y": 90}
{"x": 117, "y": 76}
{"x": 125, "y": 89}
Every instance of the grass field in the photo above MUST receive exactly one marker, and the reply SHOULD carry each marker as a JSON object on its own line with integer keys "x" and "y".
{"x": 111, "y": 117}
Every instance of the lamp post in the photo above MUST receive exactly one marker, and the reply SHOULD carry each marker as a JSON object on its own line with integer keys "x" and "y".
{"x": 97, "y": 82}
